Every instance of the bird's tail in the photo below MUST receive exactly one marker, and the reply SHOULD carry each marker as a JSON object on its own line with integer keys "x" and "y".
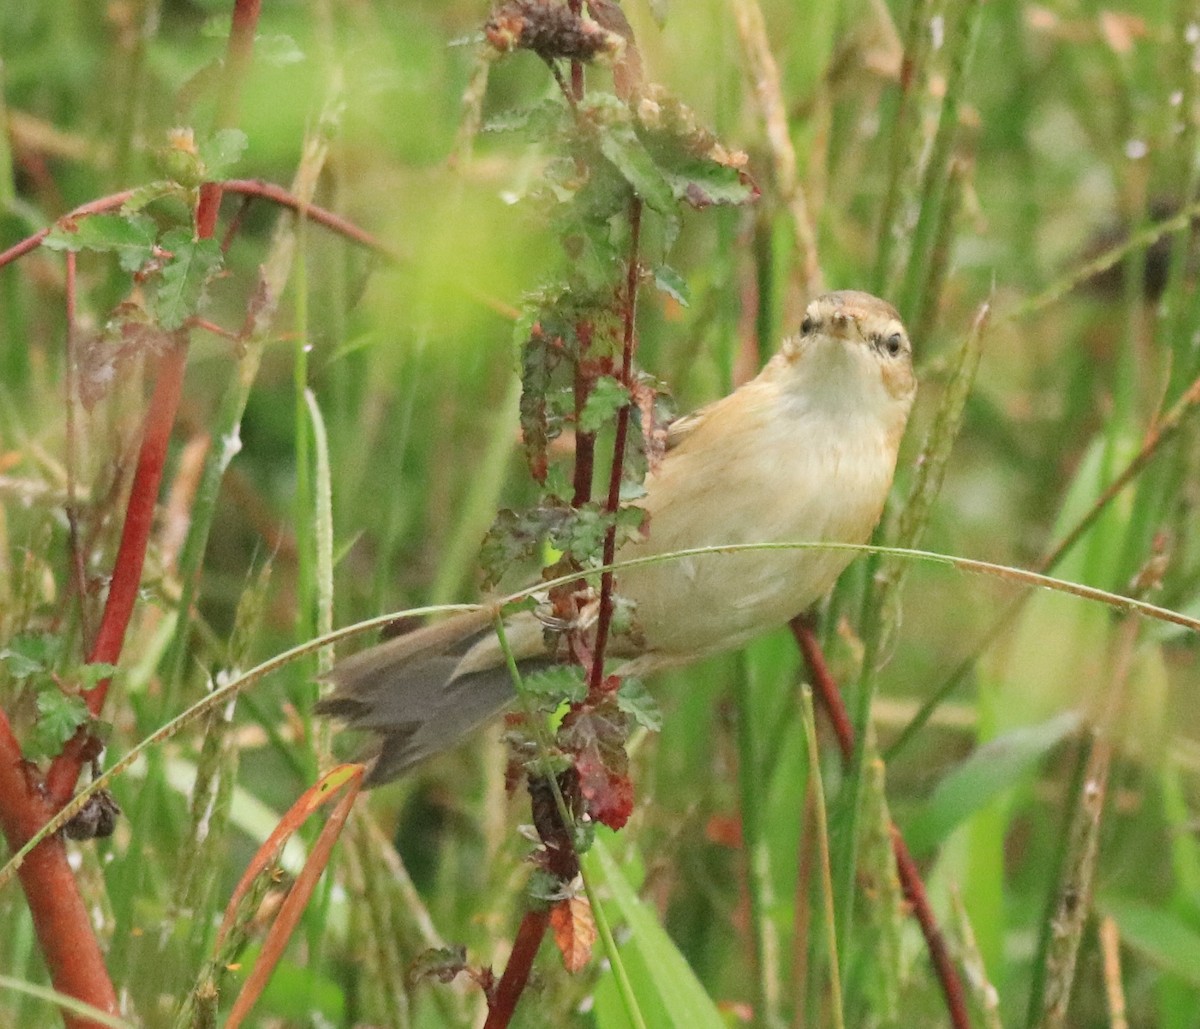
{"x": 420, "y": 693}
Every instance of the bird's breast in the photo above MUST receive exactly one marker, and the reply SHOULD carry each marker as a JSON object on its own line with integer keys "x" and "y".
{"x": 748, "y": 477}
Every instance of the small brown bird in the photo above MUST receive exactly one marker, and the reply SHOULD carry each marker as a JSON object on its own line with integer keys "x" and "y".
{"x": 805, "y": 452}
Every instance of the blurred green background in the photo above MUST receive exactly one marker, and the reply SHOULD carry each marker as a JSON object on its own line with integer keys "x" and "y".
{"x": 1064, "y": 127}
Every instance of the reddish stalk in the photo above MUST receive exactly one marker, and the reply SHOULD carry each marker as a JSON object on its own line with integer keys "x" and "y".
{"x": 830, "y": 698}
{"x": 244, "y": 187}
{"x": 60, "y": 919}
{"x": 585, "y": 442}
{"x": 503, "y": 1001}
{"x": 615, "y": 474}
{"x": 131, "y": 555}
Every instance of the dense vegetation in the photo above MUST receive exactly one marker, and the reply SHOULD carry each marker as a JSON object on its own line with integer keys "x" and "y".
{"x": 335, "y": 406}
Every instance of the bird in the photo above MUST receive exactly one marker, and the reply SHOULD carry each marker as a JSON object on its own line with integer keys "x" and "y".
{"x": 804, "y": 452}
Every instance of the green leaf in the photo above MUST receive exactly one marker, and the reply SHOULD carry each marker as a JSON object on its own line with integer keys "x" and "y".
{"x": 559, "y": 683}
{"x": 130, "y": 237}
{"x": 516, "y": 536}
{"x": 704, "y": 183}
{"x": 634, "y": 699}
{"x": 621, "y": 145}
{"x": 222, "y": 151}
{"x": 90, "y": 676}
{"x": 184, "y": 277}
{"x": 995, "y": 767}
{"x": 667, "y": 280}
{"x": 31, "y": 653}
{"x": 667, "y": 990}
{"x": 1160, "y": 934}
{"x": 59, "y": 715}
{"x": 581, "y": 533}
{"x": 607, "y": 397}
{"x": 147, "y": 194}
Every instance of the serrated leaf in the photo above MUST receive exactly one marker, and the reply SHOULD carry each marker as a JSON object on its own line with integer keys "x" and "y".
{"x": 222, "y": 151}
{"x": 560, "y": 683}
{"x": 89, "y": 676}
{"x": 703, "y": 183}
{"x": 59, "y": 715}
{"x": 147, "y": 194}
{"x": 516, "y": 536}
{"x": 595, "y": 735}
{"x": 634, "y": 699}
{"x": 621, "y": 145}
{"x": 184, "y": 277}
{"x": 606, "y": 398}
{"x": 130, "y": 237}
{"x": 541, "y": 121}
{"x": 581, "y": 533}
{"x": 31, "y": 653}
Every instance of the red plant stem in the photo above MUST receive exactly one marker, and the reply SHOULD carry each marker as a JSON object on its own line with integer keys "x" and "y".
{"x": 131, "y": 555}
{"x": 238, "y": 55}
{"x": 830, "y": 699}
{"x": 208, "y": 206}
{"x": 616, "y": 471}
{"x": 60, "y": 919}
{"x": 585, "y": 442}
{"x": 576, "y": 8}
{"x": 503, "y": 1001}
{"x": 244, "y": 187}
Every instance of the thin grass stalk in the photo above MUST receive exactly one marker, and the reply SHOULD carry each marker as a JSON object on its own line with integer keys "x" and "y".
{"x": 321, "y": 733}
{"x": 402, "y": 915}
{"x": 764, "y": 946}
{"x": 1114, "y": 990}
{"x": 905, "y": 137}
{"x": 216, "y": 773}
{"x": 768, "y": 89}
{"x": 987, "y": 1000}
{"x": 323, "y": 524}
{"x": 934, "y": 459}
{"x": 802, "y": 942}
{"x": 302, "y": 512}
{"x": 877, "y": 617}
{"x": 1063, "y": 932}
{"x": 256, "y": 328}
{"x": 69, "y": 1005}
{"x": 1186, "y": 86}
{"x": 199, "y": 1007}
{"x": 1139, "y": 240}
{"x": 886, "y": 904}
{"x": 937, "y": 174}
{"x": 906, "y": 868}
{"x": 633, "y": 1010}
{"x": 389, "y": 984}
{"x": 816, "y": 784}
{"x": 221, "y": 695}
{"x": 1165, "y": 430}
{"x": 943, "y": 245}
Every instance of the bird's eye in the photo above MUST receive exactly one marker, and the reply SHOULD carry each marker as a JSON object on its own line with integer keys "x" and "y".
{"x": 808, "y": 324}
{"x": 894, "y": 343}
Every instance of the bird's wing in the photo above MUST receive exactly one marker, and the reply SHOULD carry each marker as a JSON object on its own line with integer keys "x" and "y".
{"x": 681, "y": 428}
